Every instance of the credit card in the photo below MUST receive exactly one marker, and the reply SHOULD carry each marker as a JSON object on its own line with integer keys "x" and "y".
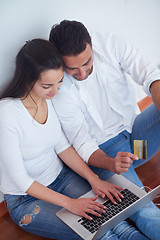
{"x": 140, "y": 148}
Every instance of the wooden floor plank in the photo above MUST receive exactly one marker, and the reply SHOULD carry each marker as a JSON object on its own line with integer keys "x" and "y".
{"x": 145, "y": 103}
{"x": 10, "y": 231}
{"x": 149, "y": 173}
{"x": 3, "y": 209}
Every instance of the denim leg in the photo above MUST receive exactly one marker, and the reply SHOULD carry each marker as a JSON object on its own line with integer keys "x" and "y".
{"x": 148, "y": 221}
{"x": 147, "y": 127}
{"x": 42, "y": 223}
{"x": 45, "y": 222}
{"x": 109, "y": 236}
{"x": 141, "y": 217}
{"x": 124, "y": 231}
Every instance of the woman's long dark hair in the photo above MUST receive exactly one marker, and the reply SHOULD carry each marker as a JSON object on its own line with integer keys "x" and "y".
{"x": 34, "y": 57}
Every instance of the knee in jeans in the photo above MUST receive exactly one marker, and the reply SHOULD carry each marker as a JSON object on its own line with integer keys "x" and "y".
{"x": 28, "y": 217}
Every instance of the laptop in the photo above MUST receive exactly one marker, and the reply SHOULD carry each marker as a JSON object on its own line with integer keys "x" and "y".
{"x": 134, "y": 199}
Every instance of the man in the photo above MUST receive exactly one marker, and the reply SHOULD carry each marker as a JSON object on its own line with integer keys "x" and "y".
{"x": 97, "y": 106}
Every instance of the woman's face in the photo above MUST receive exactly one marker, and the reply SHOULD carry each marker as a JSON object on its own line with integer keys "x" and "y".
{"x": 48, "y": 84}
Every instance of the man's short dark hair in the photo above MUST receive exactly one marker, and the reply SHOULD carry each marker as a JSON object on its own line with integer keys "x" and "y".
{"x": 70, "y": 37}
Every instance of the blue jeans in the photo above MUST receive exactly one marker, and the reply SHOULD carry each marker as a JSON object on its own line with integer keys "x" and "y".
{"x": 146, "y": 127}
{"x": 46, "y": 223}
{"x": 123, "y": 231}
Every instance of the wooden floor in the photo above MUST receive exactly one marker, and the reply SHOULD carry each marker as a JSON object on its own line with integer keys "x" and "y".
{"x": 149, "y": 174}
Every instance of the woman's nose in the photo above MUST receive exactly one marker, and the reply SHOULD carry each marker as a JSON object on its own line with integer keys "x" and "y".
{"x": 55, "y": 89}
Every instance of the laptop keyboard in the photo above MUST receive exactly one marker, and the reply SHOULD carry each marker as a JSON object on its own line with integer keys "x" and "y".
{"x": 111, "y": 210}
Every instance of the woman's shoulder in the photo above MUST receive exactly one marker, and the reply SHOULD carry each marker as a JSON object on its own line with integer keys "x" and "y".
{"x": 8, "y": 108}
{"x": 7, "y": 104}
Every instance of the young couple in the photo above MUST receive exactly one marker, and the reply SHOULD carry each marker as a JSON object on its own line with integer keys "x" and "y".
{"x": 41, "y": 171}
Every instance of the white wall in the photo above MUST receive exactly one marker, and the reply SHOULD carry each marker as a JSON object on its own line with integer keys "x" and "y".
{"x": 20, "y": 20}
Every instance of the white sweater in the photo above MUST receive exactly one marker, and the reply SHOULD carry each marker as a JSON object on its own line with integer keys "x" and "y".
{"x": 95, "y": 110}
{"x": 28, "y": 150}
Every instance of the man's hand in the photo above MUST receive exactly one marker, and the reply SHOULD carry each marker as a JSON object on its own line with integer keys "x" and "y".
{"x": 123, "y": 161}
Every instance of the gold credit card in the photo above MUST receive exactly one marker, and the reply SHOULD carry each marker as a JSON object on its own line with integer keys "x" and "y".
{"x": 140, "y": 148}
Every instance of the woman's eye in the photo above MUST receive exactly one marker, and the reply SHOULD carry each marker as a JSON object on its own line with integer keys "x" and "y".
{"x": 45, "y": 87}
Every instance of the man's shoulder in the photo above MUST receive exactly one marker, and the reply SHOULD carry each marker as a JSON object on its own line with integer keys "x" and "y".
{"x": 106, "y": 40}
{"x": 68, "y": 92}
{"x": 67, "y": 83}
{"x": 67, "y": 86}
{"x": 101, "y": 36}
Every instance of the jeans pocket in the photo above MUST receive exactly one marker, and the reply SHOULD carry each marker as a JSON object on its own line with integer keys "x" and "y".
{"x": 127, "y": 135}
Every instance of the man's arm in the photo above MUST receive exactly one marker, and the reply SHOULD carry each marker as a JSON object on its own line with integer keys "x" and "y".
{"x": 76, "y": 130}
{"x": 119, "y": 164}
{"x": 68, "y": 107}
{"x": 155, "y": 92}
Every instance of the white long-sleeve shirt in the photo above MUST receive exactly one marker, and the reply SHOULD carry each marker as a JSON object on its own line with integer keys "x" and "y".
{"x": 28, "y": 150}
{"x": 94, "y": 110}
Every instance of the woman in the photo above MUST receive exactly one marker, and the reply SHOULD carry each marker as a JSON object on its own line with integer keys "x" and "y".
{"x": 34, "y": 153}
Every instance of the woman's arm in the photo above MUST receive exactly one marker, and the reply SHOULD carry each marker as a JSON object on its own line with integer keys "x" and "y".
{"x": 80, "y": 206}
{"x": 102, "y": 188}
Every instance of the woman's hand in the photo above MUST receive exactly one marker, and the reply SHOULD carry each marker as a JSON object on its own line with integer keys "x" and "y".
{"x": 103, "y": 188}
{"x": 82, "y": 206}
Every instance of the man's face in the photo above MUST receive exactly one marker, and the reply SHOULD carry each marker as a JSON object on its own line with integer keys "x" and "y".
{"x": 79, "y": 66}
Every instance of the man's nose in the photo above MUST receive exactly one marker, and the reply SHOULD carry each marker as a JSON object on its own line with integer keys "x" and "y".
{"x": 82, "y": 72}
